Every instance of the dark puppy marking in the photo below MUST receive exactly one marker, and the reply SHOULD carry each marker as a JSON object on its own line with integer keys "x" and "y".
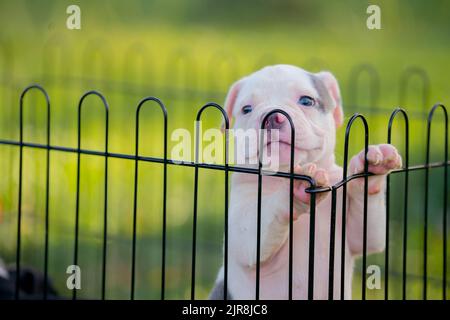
{"x": 217, "y": 292}
{"x": 325, "y": 100}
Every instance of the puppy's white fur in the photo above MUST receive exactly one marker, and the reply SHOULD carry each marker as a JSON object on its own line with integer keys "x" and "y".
{"x": 281, "y": 86}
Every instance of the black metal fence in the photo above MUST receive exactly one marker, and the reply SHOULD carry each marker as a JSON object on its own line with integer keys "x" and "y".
{"x": 164, "y": 161}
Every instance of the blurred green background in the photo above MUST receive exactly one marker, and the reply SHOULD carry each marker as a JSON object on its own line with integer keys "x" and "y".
{"x": 188, "y": 53}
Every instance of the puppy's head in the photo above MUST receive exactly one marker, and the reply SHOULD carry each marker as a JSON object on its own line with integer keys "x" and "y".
{"x": 312, "y": 100}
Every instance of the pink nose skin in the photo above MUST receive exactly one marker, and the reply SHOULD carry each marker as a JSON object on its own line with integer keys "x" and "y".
{"x": 275, "y": 121}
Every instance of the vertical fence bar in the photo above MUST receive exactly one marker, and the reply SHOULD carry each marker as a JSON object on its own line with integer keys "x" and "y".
{"x": 77, "y": 201}
{"x": 291, "y": 211}
{"x": 225, "y": 254}
{"x": 444, "y": 216}
{"x": 77, "y": 197}
{"x": 366, "y": 184}
{"x": 425, "y": 217}
{"x": 196, "y": 163}
{"x": 136, "y": 172}
{"x": 405, "y": 206}
{"x": 136, "y": 165}
{"x": 47, "y": 205}
{"x": 386, "y": 251}
{"x": 291, "y": 207}
{"x": 194, "y": 219}
{"x": 258, "y": 231}
{"x": 312, "y": 229}
{"x": 164, "y": 226}
{"x": 444, "y": 213}
{"x": 332, "y": 245}
{"x": 19, "y": 209}
{"x": 105, "y": 205}
{"x": 344, "y": 216}
{"x": 258, "y": 213}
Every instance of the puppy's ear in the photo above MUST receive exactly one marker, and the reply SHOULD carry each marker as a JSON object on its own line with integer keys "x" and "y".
{"x": 230, "y": 100}
{"x": 333, "y": 88}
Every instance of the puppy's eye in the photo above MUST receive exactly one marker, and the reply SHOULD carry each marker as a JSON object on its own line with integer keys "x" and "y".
{"x": 306, "y": 101}
{"x": 247, "y": 109}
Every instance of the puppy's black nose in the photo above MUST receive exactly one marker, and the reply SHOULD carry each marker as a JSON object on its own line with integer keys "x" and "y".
{"x": 275, "y": 121}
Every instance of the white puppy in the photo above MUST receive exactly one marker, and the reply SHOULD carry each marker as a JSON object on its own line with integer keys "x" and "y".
{"x": 313, "y": 102}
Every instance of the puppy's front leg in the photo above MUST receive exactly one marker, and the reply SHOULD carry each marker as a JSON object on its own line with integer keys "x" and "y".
{"x": 381, "y": 159}
{"x": 275, "y": 213}
{"x": 243, "y": 222}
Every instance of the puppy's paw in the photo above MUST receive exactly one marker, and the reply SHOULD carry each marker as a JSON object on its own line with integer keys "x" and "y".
{"x": 303, "y": 198}
{"x": 382, "y": 159}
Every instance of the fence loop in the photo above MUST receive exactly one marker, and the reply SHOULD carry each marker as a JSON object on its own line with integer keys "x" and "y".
{"x": 138, "y": 110}
{"x": 347, "y": 138}
{"x": 47, "y": 101}
{"x": 392, "y": 119}
{"x": 433, "y": 110}
{"x": 197, "y": 128}
{"x": 216, "y": 106}
{"x": 106, "y": 106}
